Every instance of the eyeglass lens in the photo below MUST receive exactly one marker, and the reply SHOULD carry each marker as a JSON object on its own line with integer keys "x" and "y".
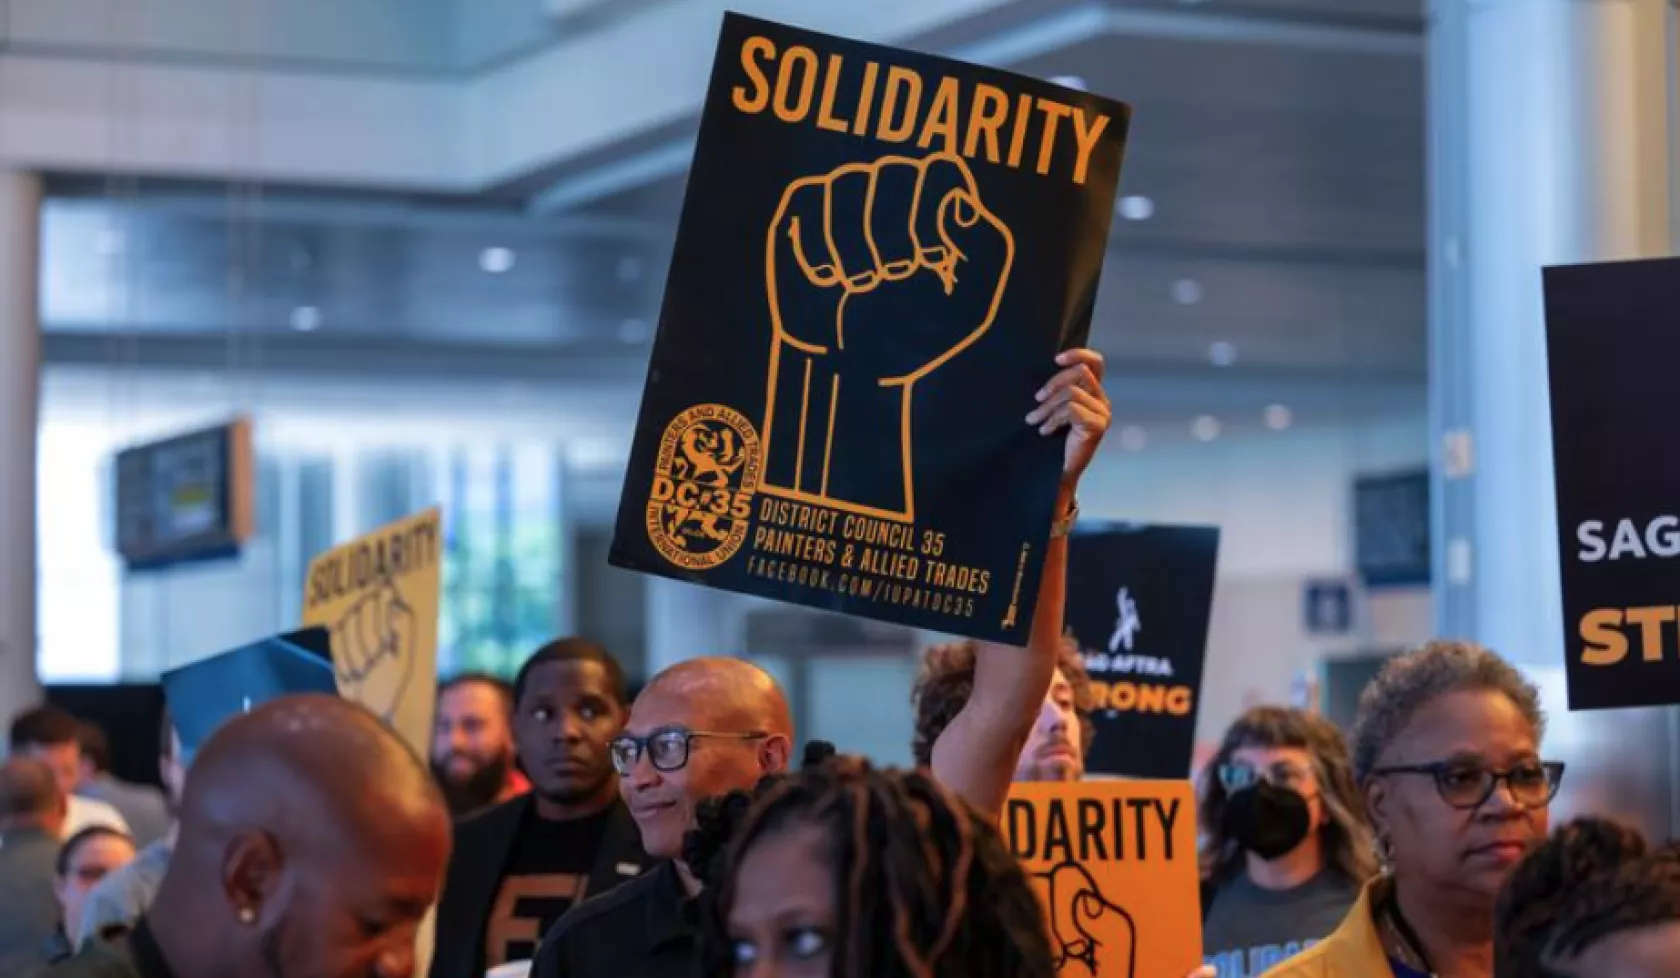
{"x": 1530, "y": 784}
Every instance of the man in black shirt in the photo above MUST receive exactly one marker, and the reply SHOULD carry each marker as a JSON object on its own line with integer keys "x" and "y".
{"x": 701, "y": 728}
{"x": 312, "y": 843}
{"x": 522, "y": 864}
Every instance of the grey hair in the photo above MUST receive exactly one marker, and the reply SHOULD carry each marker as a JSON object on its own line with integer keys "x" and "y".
{"x": 1409, "y": 682}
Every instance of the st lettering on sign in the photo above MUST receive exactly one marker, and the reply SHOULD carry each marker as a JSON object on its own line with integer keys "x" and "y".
{"x": 1114, "y": 863}
{"x": 1610, "y": 336}
{"x": 378, "y": 596}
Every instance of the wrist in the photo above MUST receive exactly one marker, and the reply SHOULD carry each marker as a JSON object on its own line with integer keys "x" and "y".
{"x": 1066, "y": 499}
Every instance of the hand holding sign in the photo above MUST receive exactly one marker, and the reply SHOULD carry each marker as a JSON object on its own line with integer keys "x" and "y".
{"x": 1075, "y": 399}
{"x": 373, "y": 649}
{"x": 877, "y": 275}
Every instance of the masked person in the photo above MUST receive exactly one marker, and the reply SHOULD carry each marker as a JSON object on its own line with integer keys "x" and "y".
{"x": 472, "y": 744}
{"x": 85, "y": 859}
{"x": 1595, "y": 901}
{"x": 1286, "y": 848}
{"x": 1446, "y": 749}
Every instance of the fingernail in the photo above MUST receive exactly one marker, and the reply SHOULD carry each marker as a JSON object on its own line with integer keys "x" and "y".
{"x": 1062, "y": 358}
{"x": 1042, "y": 393}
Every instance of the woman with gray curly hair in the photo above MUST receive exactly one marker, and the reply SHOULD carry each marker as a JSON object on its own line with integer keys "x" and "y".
{"x": 1446, "y": 750}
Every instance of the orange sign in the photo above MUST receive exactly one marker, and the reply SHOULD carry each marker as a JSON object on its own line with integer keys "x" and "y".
{"x": 1115, "y": 864}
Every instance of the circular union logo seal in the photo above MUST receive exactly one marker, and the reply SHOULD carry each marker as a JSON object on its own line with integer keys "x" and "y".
{"x": 704, "y": 478}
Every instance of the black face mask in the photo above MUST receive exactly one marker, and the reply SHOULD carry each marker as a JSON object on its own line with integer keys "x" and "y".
{"x": 1267, "y": 820}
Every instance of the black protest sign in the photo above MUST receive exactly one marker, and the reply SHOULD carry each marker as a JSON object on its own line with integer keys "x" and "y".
{"x": 1139, "y": 598}
{"x": 1611, "y": 341}
{"x": 880, "y": 254}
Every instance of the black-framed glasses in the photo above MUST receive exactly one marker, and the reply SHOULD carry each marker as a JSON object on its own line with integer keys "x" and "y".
{"x": 1467, "y": 786}
{"x": 667, "y": 748}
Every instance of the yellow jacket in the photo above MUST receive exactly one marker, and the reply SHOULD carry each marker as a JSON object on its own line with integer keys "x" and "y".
{"x": 1353, "y": 950}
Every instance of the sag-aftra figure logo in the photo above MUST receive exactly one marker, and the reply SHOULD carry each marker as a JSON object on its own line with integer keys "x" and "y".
{"x": 878, "y": 274}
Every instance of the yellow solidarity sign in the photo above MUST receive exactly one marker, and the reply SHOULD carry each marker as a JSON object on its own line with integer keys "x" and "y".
{"x": 378, "y": 595}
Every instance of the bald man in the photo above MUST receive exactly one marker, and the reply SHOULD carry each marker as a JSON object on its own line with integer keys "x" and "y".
{"x": 701, "y": 728}
{"x": 312, "y": 841}
{"x": 32, "y": 814}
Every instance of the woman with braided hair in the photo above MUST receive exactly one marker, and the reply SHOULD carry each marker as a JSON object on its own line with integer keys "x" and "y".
{"x": 843, "y": 871}
{"x": 1592, "y": 902}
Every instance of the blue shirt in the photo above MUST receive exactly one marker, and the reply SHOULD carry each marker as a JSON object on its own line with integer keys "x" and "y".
{"x": 1403, "y": 970}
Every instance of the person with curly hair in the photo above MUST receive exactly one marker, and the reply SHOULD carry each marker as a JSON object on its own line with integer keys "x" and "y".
{"x": 1055, "y": 750}
{"x": 1286, "y": 848}
{"x": 1593, "y": 902}
{"x": 844, "y": 871}
{"x": 1446, "y": 750}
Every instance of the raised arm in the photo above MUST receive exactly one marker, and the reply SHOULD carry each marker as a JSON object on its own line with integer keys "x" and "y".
{"x": 976, "y": 755}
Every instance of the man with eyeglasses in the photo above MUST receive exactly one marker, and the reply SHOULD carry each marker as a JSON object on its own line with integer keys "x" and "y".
{"x": 706, "y": 727}
{"x": 519, "y": 866}
{"x": 701, "y": 728}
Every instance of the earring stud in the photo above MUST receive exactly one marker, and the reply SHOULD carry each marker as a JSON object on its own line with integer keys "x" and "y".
{"x": 247, "y": 916}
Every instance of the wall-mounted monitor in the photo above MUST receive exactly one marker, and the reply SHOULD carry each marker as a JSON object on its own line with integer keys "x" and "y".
{"x": 1391, "y": 528}
{"x": 185, "y": 499}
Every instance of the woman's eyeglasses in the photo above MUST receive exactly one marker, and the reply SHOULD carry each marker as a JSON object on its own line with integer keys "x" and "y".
{"x": 1467, "y": 786}
{"x": 1235, "y": 777}
{"x": 667, "y": 748}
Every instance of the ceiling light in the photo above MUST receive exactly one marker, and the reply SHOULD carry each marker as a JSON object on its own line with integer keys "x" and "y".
{"x": 633, "y": 331}
{"x": 1205, "y": 428}
{"x": 1135, "y": 208}
{"x": 1133, "y": 438}
{"x": 629, "y": 269}
{"x": 306, "y": 319}
{"x": 1278, "y": 417}
{"x": 1222, "y": 354}
{"x": 1187, "y": 292}
{"x": 496, "y": 260}
{"x": 1069, "y": 81}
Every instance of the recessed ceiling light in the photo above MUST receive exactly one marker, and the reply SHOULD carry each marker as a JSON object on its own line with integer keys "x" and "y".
{"x": 306, "y": 319}
{"x": 1278, "y": 417}
{"x": 1069, "y": 81}
{"x": 1205, "y": 428}
{"x": 496, "y": 260}
{"x": 1133, "y": 438}
{"x": 633, "y": 331}
{"x": 629, "y": 269}
{"x": 1135, "y": 208}
{"x": 1187, "y": 292}
{"x": 1222, "y": 354}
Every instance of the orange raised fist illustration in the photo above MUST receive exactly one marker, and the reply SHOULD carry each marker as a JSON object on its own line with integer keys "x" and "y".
{"x": 877, "y": 275}
{"x": 373, "y": 650}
